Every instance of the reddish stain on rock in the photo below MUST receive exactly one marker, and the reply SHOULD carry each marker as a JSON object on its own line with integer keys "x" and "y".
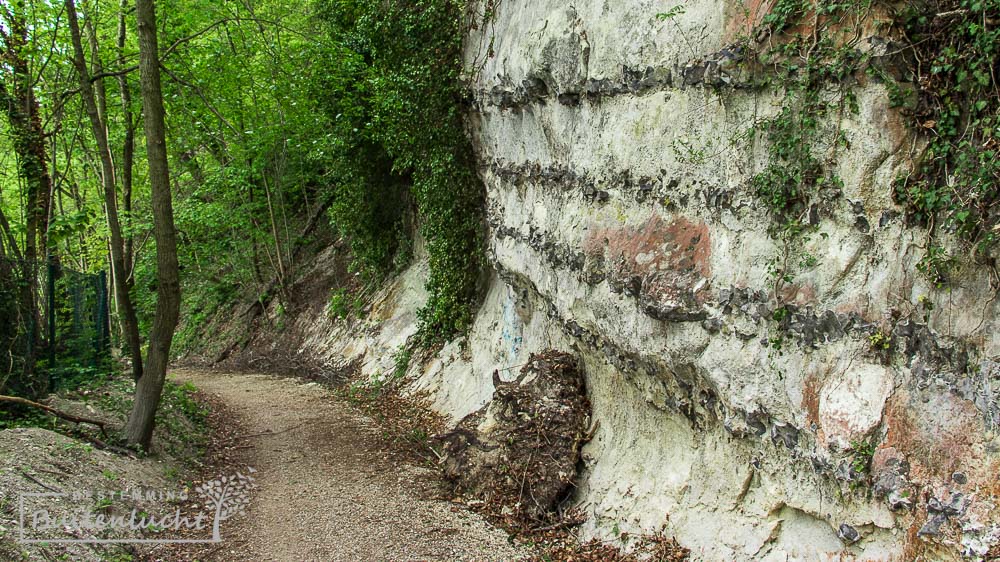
{"x": 885, "y": 459}
{"x": 937, "y": 436}
{"x": 659, "y": 262}
{"x": 744, "y": 17}
{"x": 801, "y": 295}
{"x": 811, "y": 388}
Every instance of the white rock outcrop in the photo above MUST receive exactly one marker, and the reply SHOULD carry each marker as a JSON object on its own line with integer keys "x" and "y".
{"x": 753, "y": 420}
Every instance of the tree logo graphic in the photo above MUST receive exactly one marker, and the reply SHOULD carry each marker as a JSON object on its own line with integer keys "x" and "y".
{"x": 228, "y": 496}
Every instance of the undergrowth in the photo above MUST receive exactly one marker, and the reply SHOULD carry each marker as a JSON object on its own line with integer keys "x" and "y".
{"x": 181, "y": 419}
{"x": 405, "y": 421}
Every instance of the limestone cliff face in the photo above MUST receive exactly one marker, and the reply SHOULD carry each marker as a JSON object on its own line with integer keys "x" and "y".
{"x": 836, "y": 415}
{"x": 623, "y": 228}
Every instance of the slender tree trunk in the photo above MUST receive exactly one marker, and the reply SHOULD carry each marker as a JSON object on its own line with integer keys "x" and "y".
{"x": 96, "y": 68}
{"x": 139, "y": 429}
{"x": 128, "y": 145}
{"x": 130, "y": 323}
{"x": 274, "y": 235}
{"x": 23, "y": 114}
{"x": 257, "y": 275}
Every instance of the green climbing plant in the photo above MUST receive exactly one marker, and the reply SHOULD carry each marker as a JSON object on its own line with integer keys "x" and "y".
{"x": 948, "y": 92}
{"x": 398, "y": 105}
{"x": 814, "y": 68}
{"x": 956, "y": 109}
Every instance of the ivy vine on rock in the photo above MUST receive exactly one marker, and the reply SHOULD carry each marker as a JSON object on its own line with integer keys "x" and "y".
{"x": 814, "y": 63}
{"x": 398, "y": 104}
{"x": 947, "y": 90}
{"x": 956, "y": 109}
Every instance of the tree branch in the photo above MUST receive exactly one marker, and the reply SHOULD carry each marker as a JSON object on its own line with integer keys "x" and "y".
{"x": 53, "y": 411}
{"x": 189, "y": 38}
{"x": 111, "y": 73}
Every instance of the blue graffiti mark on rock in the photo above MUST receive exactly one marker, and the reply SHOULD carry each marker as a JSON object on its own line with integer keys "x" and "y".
{"x": 512, "y": 329}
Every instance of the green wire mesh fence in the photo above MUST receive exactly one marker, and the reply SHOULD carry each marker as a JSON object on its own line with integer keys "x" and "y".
{"x": 53, "y": 329}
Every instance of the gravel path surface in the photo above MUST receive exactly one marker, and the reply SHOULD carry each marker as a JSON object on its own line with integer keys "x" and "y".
{"x": 328, "y": 489}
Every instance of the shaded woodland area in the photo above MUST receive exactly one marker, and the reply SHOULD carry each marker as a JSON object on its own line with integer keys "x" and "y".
{"x": 199, "y": 148}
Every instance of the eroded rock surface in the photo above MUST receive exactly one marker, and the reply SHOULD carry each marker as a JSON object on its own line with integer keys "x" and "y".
{"x": 752, "y": 417}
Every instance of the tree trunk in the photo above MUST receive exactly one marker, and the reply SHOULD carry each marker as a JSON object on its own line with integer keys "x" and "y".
{"x": 274, "y": 236}
{"x": 139, "y": 429}
{"x": 96, "y": 68}
{"x": 128, "y": 144}
{"x": 23, "y": 114}
{"x": 130, "y": 323}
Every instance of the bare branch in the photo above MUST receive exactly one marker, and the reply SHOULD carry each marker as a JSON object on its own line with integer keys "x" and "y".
{"x": 53, "y": 411}
{"x": 112, "y": 73}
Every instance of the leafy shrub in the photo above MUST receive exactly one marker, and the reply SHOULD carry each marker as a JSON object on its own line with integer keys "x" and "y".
{"x": 395, "y": 100}
{"x": 344, "y": 305}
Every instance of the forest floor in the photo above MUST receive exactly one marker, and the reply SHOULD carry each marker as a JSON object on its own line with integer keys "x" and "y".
{"x": 328, "y": 485}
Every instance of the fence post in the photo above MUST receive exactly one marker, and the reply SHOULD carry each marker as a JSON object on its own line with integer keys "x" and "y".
{"x": 102, "y": 320}
{"x": 51, "y": 315}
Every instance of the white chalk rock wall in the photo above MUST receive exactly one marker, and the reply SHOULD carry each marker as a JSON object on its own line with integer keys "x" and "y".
{"x": 623, "y": 228}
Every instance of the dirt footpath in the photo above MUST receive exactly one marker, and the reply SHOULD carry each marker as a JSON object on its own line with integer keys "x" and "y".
{"x": 328, "y": 490}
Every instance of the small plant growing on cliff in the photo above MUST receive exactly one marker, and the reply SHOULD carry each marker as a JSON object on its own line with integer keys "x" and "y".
{"x": 338, "y": 304}
{"x": 344, "y": 305}
{"x": 936, "y": 266}
{"x": 777, "y": 269}
{"x": 780, "y": 314}
{"x": 926, "y": 306}
{"x": 880, "y": 341}
{"x": 686, "y": 153}
{"x": 402, "y": 361}
{"x": 862, "y": 453}
{"x": 808, "y": 261}
{"x": 671, "y": 13}
{"x": 784, "y": 13}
